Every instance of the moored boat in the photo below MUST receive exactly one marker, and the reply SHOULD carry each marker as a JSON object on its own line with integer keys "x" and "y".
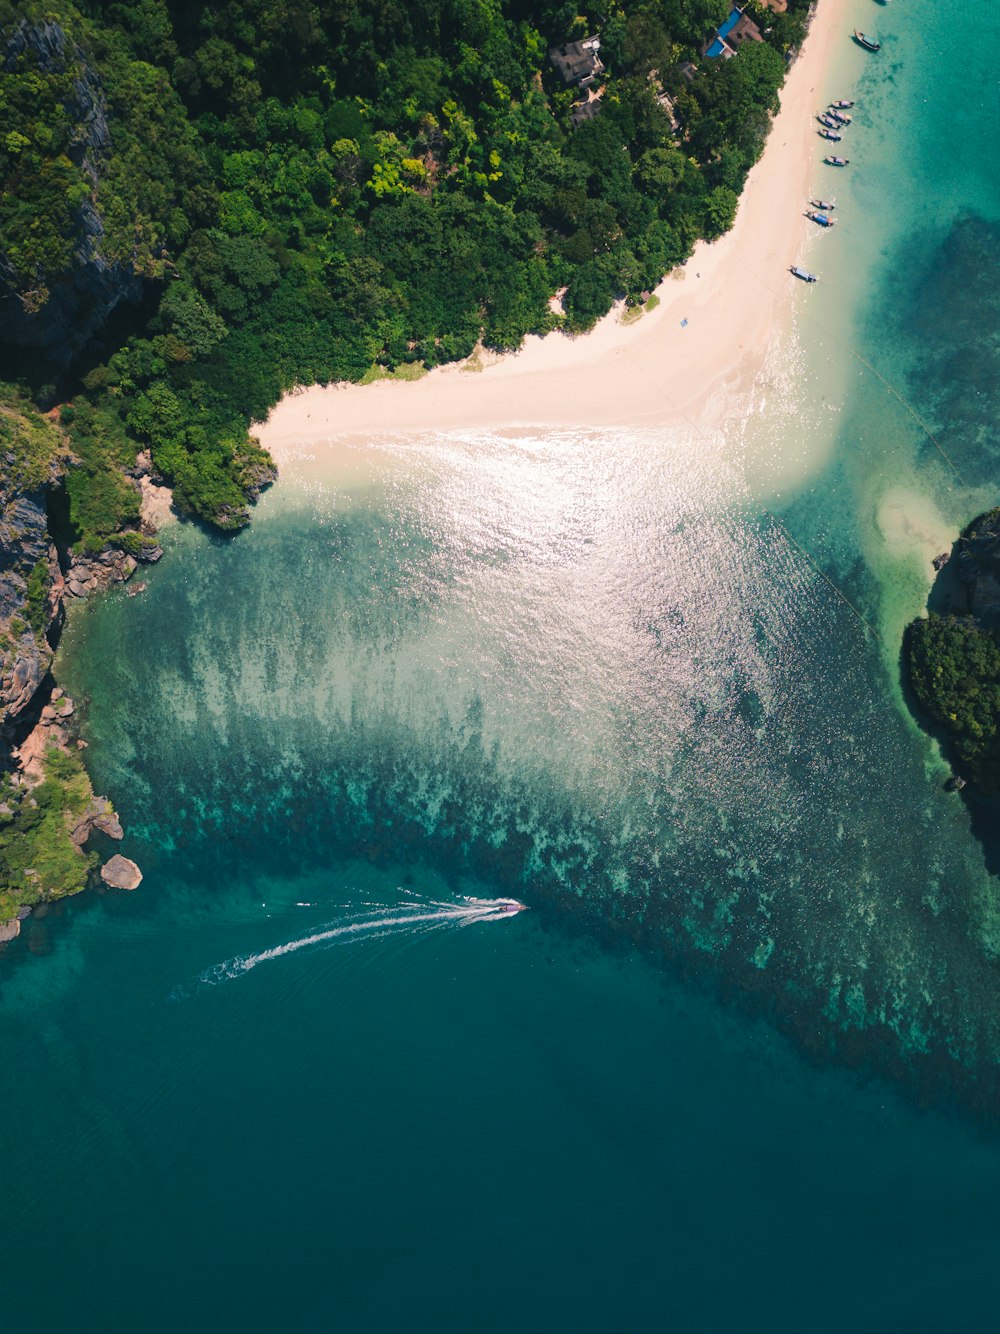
{"x": 823, "y": 219}
{"x": 841, "y": 117}
{"x": 836, "y": 161}
{"x": 824, "y": 205}
{"x": 804, "y": 274}
{"x": 831, "y": 134}
{"x": 842, "y": 102}
{"x": 869, "y": 43}
{"x": 826, "y": 119}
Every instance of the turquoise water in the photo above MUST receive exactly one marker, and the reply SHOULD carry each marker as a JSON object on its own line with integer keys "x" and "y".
{"x": 737, "y": 1067}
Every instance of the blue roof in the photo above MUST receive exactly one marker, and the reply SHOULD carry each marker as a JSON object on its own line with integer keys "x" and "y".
{"x": 723, "y": 31}
{"x": 730, "y": 23}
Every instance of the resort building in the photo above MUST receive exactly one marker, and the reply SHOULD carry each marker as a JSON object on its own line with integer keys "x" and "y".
{"x": 730, "y": 36}
{"x": 578, "y": 62}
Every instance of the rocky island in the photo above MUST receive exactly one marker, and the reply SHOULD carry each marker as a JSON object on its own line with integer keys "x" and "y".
{"x": 953, "y": 653}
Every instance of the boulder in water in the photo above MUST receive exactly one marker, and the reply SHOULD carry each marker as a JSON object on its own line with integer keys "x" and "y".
{"x": 120, "y": 873}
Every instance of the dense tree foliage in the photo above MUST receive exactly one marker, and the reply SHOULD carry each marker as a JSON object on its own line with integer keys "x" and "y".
{"x": 38, "y": 859}
{"x": 955, "y": 669}
{"x": 317, "y": 187}
{"x": 954, "y": 661}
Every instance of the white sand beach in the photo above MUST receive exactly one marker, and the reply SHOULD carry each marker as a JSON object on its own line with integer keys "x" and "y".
{"x": 686, "y": 360}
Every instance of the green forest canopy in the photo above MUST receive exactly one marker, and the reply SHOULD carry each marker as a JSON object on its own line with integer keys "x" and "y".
{"x": 310, "y": 189}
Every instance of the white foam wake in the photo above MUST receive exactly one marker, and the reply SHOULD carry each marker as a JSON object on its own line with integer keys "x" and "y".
{"x": 409, "y": 918}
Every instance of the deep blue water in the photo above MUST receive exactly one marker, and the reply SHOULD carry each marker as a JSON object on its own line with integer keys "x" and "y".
{"x": 737, "y": 1067}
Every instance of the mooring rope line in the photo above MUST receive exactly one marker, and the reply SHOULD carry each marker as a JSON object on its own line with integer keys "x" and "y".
{"x": 814, "y": 319}
{"x": 823, "y": 575}
{"x": 784, "y": 529}
{"x": 913, "y": 413}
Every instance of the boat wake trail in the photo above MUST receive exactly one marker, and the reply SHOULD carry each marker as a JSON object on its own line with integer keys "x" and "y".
{"x": 413, "y": 917}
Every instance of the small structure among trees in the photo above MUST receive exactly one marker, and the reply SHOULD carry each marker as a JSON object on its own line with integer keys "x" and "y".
{"x": 664, "y": 100}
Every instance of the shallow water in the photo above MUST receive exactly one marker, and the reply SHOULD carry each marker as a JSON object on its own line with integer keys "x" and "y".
{"x": 648, "y": 685}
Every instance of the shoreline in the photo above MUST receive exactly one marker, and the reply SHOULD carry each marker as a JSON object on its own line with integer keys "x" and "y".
{"x": 735, "y": 296}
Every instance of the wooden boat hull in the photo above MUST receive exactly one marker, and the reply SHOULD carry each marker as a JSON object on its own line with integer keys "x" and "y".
{"x": 867, "y": 42}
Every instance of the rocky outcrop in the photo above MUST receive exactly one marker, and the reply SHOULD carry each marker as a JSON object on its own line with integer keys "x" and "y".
{"x": 25, "y": 548}
{"x": 100, "y": 816}
{"x": 120, "y": 873}
{"x": 979, "y": 566}
{"x": 81, "y": 299}
{"x": 93, "y": 574}
{"x": 37, "y": 716}
{"x": 258, "y": 476}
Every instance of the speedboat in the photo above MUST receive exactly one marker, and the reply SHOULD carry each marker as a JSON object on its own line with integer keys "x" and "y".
{"x": 869, "y": 43}
{"x": 511, "y": 906}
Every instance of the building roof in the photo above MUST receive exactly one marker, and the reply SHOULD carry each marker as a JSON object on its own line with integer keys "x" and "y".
{"x": 578, "y": 62}
{"x": 584, "y": 111}
{"x": 730, "y": 36}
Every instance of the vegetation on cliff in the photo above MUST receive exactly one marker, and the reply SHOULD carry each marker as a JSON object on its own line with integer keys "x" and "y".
{"x": 39, "y": 861}
{"x": 39, "y": 810}
{"x": 311, "y": 188}
{"x": 954, "y": 660}
{"x": 30, "y": 444}
{"x": 32, "y": 453}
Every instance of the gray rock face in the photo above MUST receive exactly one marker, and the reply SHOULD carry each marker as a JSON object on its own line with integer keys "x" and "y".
{"x": 23, "y": 669}
{"x": 9, "y": 930}
{"x": 979, "y": 566}
{"x": 24, "y": 541}
{"x": 120, "y": 873}
{"x": 93, "y": 574}
{"x": 80, "y": 300}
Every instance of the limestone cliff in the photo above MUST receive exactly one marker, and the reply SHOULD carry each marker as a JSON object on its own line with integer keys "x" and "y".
{"x": 47, "y": 806}
{"x": 32, "y": 455}
{"x": 953, "y": 654}
{"x": 978, "y": 552}
{"x": 59, "y": 312}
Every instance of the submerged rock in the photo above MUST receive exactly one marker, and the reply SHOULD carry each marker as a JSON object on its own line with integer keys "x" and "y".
{"x": 120, "y": 873}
